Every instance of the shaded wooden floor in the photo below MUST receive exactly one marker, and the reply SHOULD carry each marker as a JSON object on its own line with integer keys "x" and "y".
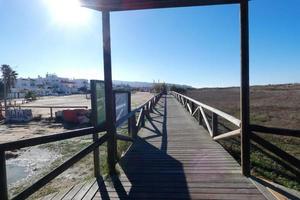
{"x": 173, "y": 158}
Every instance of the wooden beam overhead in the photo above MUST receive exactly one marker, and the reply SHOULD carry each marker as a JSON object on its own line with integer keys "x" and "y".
{"x": 122, "y": 5}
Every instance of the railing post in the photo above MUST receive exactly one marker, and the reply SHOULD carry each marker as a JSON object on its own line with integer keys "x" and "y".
{"x": 129, "y": 110}
{"x": 96, "y": 154}
{"x": 245, "y": 107}
{"x": 133, "y": 128}
{"x": 200, "y": 119}
{"x": 109, "y": 97}
{"x": 192, "y": 107}
{"x": 3, "y": 179}
{"x": 143, "y": 118}
{"x": 51, "y": 113}
{"x": 214, "y": 124}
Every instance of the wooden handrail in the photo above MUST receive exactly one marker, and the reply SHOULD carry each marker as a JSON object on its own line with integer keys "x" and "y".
{"x": 228, "y": 134}
{"x": 20, "y": 106}
{"x": 284, "y": 156}
{"x": 9, "y": 146}
{"x": 222, "y": 114}
{"x": 138, "y": 109}
{"x": 148, "y": 105}
{"x": 275, "y": 131}
{"x": 60, "y": 169}
{"x": 212, "y": 129}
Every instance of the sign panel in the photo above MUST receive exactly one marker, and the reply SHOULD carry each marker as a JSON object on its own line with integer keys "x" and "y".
{"x": 18, "y": 115}
{"x": 98, "y": 102}
{"x": 122, "y": 104}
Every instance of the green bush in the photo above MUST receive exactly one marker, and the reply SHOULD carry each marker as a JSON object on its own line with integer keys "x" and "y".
{"x": 30, "y": 95}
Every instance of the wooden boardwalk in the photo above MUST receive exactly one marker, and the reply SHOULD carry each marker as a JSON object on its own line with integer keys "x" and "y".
{"x": 172, "y": 158}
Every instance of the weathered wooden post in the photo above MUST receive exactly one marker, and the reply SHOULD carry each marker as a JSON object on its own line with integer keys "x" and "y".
{"x": 192, "y": 107}
{"x": 214, "y": 124}
{"x": 143, "y": 117}
{"x": 244, "y": 98}
{"x": 200, "y": 118}
{"x": 129, "y": 110}
{"x": 109, "y": 97}
{"x": 3, "y": 179}
{"x": 51, "y": 113}
{"x": 133, "y": 128}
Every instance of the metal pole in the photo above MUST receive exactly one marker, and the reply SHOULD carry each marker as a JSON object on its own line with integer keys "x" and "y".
{"x": 244, "y": 98}
{"x": 109, "y": 99}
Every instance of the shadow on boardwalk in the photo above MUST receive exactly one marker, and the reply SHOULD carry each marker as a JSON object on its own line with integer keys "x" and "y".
{"x": 146, "y": 171}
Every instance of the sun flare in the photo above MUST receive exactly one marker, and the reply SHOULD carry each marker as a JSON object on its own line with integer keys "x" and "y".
{"x": 67, "y": 12}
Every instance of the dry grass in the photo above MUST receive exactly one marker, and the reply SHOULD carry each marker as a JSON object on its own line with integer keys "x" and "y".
{"x": 272, "y": 105}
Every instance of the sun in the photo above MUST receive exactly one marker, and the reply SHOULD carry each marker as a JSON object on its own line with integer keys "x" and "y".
{"x": 67, "y": 12}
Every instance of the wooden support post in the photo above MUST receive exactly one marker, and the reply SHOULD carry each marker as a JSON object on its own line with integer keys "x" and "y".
{"x": 5, "y": 96}
{"x": 51, "y": 113}
{"x": 133, "y": 128}
{"x": 200, "y": 119}
{"x": 245, "y": 128}
{"x": 109, "y": 97}
{"x": 129, "y": 110}
{"x": 192, "y": 107}
{"x": 96, "y": 154}
{"x": 3, "y": 179}
{"x": 143, "y": 117}
{"x": 214, "y": 124}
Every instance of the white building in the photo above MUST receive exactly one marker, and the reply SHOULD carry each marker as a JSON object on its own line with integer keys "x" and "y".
{"x": 49, "y": 85}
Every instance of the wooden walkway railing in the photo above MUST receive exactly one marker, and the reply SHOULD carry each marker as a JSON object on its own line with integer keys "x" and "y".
{"x": 134, "y": 125}
{"x": 197, "y": 108}
{"x": 171, "y": 158}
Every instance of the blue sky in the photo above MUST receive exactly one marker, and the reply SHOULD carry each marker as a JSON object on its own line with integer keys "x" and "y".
{"x": 197, "y": 46}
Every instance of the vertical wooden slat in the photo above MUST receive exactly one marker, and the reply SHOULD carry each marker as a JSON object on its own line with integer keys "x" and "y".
{"x": 200, "y": 117}
{"x": 214, "y": 124}
{"x": 133, "y": 128}
{"x": 245, "y": 131}
{"x": 3, "y": 179}
{"x": 129, "y": 110}
{"x": 109, "y": 97}
{"x": 96, "y": 155}
{"x": 51, "y": 113}
{"x": 143, "y": 117}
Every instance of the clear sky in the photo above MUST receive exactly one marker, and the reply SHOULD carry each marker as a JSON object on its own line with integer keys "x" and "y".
{"x": 197, "y": 46}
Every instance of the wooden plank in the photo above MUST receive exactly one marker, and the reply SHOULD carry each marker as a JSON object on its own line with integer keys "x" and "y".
{"x": 92, "y": 191}
{"x": 275, "y": 131}
{"x": 50, "y": 196}
{"x": 73, "y": 191}
{"x": 149, "y": 4}
{"x": 9, "y": 146}
{"x": 62, "y": 194}
{"x": 206, "y": 121}
{"x": 228, "y": 134}
{"x": 83, "y": 191}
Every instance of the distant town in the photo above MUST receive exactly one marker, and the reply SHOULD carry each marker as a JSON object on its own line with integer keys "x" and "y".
{"x": 51, "y": 84}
